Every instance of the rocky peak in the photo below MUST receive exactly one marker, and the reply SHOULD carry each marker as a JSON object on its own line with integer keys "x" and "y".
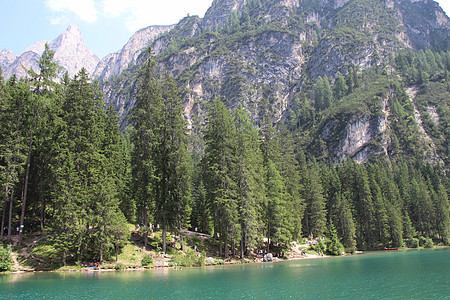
{"x": 113, "y": 64}
{"x": 220, "y": 11}
{"x": 7, "y": 57}
{"x": 71, "y": 53}
{"x": 72, "y": 36}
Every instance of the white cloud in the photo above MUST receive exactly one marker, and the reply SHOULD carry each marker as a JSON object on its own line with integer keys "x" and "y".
{"x": 133, "y": 14}
{"x": 84, "y": 9}
{"x": 141, "y": 13}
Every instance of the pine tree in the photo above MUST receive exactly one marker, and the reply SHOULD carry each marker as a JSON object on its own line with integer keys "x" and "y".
{"x": 364, "y": 209}
{"x": 80, "y": 166}
{"x": 275, "y": 208}
{"x": 161, "y": 146}
{"x": 442, "y": 217}
{"x": 315, "y": 212}
{"x": 44, "y": 86}
{"x": 340, "y": 87}
{"x": 145, "y": 116}
{"x": 319, "y": 91}
{"x": 220, "y": 174}
{"x": 250, "y": 190}
{"x": 294, "y": 186}
{"x": 13, "y": 142}
{"x": 327, "y": 93}
{"x": 334, "y": 246}
{"x": 338, "y": 208}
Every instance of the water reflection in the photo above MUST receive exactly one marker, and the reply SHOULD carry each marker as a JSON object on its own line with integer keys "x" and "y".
{"x": 353, "y": 277}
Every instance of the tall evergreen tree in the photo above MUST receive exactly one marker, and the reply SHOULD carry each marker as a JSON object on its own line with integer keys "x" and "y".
{"x": 220, "y": 175}
{"x": 250, "y": 191}
{"x": 315, "y": 213}
{"x": 162, "y": 169}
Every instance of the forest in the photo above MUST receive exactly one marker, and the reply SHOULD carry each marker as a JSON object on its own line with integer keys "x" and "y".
{"x": 66, "y": 169}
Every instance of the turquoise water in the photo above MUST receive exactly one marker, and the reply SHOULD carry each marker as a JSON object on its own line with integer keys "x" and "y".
{"x": 421, "y": 274}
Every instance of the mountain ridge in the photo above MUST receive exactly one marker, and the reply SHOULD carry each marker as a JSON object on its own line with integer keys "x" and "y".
{"x": 267, "y": 55}
{"x": 71, "y": 53}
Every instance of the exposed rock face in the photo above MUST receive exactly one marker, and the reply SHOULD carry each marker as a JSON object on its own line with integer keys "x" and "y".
{"x": 358, "y": 135}
{"x": 426, "y": 23}
{"x": 265, "y": 64}
{"x": 71, "y": 53}
{"x": 220, "y": 11}
{"x": 115, "y": 63}
{"x": 7, "y": 57}
{"x": 430, "y": 150}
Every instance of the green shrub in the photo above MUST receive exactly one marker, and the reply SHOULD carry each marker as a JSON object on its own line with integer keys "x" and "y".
{"x": 191, "y": 259}
{"x": 147, "y": 260}
{"x": 5, "y": 259}
{"x": 119, "y": 267}
{"x": 428, "y": 243}
{"x": 412, "y": 243}
{"x": 335, "y": 247}
{"x": 320, "y": 246}
{"x": 422, "y": 241}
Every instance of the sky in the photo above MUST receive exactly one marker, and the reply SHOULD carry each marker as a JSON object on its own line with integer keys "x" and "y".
{"x": 106, "y": 25}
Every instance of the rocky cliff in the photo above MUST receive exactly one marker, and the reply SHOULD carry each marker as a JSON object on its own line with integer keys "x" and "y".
{"x": 113, "y": 64}
{"x": 263, "y": 53}
{"x": 71, "y": 53}
{"x": 269, "y": 54}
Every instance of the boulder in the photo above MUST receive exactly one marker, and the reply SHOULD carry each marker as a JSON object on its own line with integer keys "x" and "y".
{"x": 268, "y": 257}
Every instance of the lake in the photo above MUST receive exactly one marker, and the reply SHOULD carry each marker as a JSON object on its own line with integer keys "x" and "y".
{"x": 418, "y": 274}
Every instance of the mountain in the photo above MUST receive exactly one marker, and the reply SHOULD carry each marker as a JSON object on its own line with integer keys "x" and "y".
{"x": 277, "y": 57}
{"x": 113, "y": 64}
{"x": 270, "y": 54}
{"x": 71, "y": 53}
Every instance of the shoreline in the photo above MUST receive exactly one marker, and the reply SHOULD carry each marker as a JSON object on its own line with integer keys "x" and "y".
{"x": 233, "y": 262}
{"x": 176, "y": 268}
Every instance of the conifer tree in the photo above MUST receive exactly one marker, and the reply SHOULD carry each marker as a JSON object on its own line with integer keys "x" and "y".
{"x": 13, "y": 142}
{"x": 162, "y": 171}
{"x": 363, "y": 203}
{"x": 220, "y": 174}
{"x": 334, "y": 246}
{"x": 340, "y": 87}
{"x": 315, "y": 211}
{"x": 250, "y": 191}
{"x": 144, "y": 118}
{"x": 294, "y": 186}
{"x": 44, "y": 86}
{"x": 275, "y": 208}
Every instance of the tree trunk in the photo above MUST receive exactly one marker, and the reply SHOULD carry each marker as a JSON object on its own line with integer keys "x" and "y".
{"x": 183, "y": 248}
{"x": 242, "y": 248}
{"x": 5, "y": 205}
{"x": 10, "y": 214}
{"x": 101, "y": 251}
{"x": 25, "y": 187}
{"x": 164, "y": 239}
{"x": 225, "y": 247}
{"x": 42, "y": 214}
{"x": 220, "y": 248}
{"x": 145, "y": 219}
{"x": 234, "y": 249}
